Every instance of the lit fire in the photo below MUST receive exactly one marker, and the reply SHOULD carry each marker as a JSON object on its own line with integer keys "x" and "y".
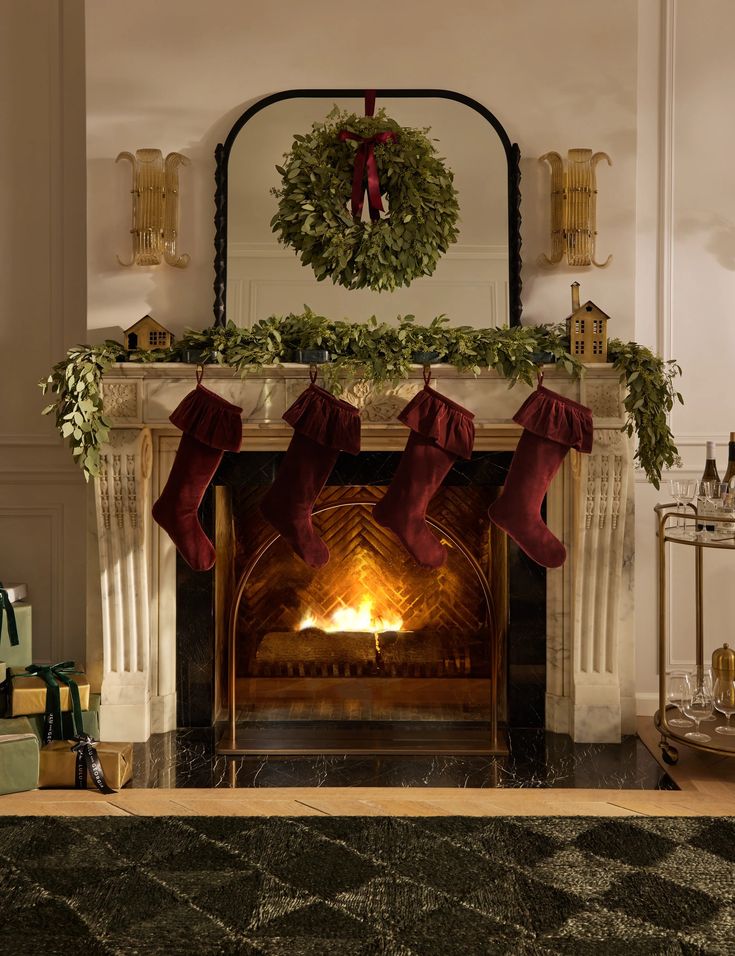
{"x": 359, "y": 619}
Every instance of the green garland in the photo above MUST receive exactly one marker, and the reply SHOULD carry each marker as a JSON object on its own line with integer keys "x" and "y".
{"x": 381, "y": 353}
{"x": 314, "y": 217}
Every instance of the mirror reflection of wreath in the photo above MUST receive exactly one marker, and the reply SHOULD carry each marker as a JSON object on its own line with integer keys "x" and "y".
{"x": 320, "y": 201}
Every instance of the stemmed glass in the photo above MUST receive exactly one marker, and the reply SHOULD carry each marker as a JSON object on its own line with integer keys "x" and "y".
{"x": 697, "y": 705}
{"x": 706, "y": 679}
{"x": 676, "y": 693}
{"x": 724, "y": 699}
{"x": 677, "y": 489}
{"x": 689, "y": 493}
{"x": 710, "y": 491}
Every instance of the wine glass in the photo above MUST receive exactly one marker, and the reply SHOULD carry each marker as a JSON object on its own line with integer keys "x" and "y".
{"x": 676, "y": 692}
{"x": 708, "y": 489}
{"x": 705, "y": 676}
{"x": 724, "y": 700}
{"x": 698, "y": 706}
{"x": 690, "y": 486}
{"x": 676, "y": 487}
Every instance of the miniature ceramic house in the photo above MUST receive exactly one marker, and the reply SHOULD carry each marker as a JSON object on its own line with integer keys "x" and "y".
{"x": 148, "y": 334}
{"x": 587, "y": 330}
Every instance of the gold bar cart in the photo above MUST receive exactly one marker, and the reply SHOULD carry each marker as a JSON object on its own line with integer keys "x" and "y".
{"x": 668, "y": 534}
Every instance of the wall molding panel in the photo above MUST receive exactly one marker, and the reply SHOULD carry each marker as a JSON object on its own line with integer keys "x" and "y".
{"x": 42, "y": 499}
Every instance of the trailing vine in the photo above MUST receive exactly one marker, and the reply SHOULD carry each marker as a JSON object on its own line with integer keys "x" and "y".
{"x": 381, "y": 353}
{"x": 649, "y": 397}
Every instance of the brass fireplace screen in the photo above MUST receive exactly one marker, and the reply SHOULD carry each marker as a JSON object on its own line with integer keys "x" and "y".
{"x": 371, "y": 636}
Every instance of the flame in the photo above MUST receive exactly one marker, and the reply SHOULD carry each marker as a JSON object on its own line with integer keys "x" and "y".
{"x": 353, "y": 619}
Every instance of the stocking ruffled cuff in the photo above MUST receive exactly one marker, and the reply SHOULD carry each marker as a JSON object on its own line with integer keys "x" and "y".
{"x": 550, "y": 415}
{"x": 437, "y": 417}
{"x": 210, "y": 419}
{"x": 327, "y": 420}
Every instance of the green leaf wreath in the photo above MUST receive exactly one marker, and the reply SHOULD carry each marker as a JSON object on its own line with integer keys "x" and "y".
{"x": 382, "y": 354}
{"x": 314, "y": 216}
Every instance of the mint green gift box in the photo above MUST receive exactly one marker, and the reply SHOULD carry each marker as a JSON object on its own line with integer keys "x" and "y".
{"x": 20, "y": 655}
{"x": 35, "y": 722}
{"x": 19, "y": 756}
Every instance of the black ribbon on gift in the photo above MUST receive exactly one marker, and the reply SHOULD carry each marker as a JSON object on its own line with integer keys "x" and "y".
{"x": 52, "y": 675}
{"x": 6, "y": 606}
{"x": 88, "y": 762}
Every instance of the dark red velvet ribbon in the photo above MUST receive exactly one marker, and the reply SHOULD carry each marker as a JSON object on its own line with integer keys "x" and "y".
{"x": 365, "y": 161}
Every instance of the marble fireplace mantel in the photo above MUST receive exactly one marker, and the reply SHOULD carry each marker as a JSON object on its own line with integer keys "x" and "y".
{"x": 590, "y": 650}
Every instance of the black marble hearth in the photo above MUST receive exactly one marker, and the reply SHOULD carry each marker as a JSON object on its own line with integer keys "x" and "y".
{"x": 187, "y": 758}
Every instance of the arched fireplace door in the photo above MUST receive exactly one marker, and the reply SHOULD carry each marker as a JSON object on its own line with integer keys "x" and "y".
{"x": 476, "y": 640}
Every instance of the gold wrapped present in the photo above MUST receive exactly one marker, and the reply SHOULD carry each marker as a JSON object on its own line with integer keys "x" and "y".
{"x": 59, "y": 764}
{"x": 28, "y": 693}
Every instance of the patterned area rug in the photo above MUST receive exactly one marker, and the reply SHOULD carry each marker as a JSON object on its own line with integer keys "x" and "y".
{"x": 369, "y": 886}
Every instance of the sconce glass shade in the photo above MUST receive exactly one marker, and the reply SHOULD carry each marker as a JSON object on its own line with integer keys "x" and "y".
{"x": 574, "y": 207}
{"x": 155, "y": 193}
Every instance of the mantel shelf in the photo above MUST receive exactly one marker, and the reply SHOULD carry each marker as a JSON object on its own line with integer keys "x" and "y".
{"x": 144, "y": 395}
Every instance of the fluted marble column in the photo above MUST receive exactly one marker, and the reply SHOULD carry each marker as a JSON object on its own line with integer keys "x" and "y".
{"x": 122, "y": 497}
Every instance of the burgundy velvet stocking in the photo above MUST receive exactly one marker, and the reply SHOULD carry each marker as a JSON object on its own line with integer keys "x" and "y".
{"x": 323, "y": 426}
{"x": 210, "y": 425}
{"x": 441, "y": 432}
{"x": 552, "y": 425}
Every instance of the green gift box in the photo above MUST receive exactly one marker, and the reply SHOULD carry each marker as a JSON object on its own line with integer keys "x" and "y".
{"x": 90, "y": 724}
{"x": 19, "y": 757}
{"x": 15, "y": 625}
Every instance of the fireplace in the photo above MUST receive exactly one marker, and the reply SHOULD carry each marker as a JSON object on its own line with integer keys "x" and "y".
{"x": 156, "y": 629}
{"x": 363, "y": 653}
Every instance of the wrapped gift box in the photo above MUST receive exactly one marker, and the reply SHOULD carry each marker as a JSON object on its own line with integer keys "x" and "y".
{"x": 20, "y": 655}
{"x": 16, "y": 592}
{"x": 59, "y": 761}
{"x": 19, "y": 758}
{"x": 90, "y": 724}
{"x": 28, "y": 694}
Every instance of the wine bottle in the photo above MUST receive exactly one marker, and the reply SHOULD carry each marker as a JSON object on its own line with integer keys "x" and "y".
{"x": 730, "y": 473}
{"x": 709, "y": 474}
{"x": 710, "y": 465}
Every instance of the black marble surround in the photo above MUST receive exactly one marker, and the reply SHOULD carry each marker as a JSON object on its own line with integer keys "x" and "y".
{"x": 195, "y": 590}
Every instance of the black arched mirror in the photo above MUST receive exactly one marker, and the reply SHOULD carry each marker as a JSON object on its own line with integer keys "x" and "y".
{"x": 477, "y": 282}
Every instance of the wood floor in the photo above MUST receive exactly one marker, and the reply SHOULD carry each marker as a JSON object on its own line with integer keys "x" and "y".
{"x": 707, "y": 789}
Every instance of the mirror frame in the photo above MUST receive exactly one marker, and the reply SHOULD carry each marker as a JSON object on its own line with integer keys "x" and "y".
{"x": 512, "y": 152}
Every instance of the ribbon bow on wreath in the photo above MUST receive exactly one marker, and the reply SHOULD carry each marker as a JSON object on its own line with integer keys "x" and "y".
{"x": 365, "y": 160}
{"x": 52, "y": 675}
{"x": 6, "y": 606}
{"x": 88, "y": 761}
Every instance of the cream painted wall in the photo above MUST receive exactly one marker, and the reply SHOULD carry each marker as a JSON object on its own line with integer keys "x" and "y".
{"x": 176, "y": 75}
{"x": 686, "y": 290}
{"x": 42, "y": 310}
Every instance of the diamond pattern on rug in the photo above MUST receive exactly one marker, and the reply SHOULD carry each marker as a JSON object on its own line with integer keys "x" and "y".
{"x": 366, "y": 886}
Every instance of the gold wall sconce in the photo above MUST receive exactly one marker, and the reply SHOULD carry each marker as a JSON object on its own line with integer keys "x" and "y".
{"x": 155, "y": 194}
{"x": 574, "y": 208}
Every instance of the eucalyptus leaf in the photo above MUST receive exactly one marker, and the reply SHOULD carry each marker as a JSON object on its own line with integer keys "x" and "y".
{"x": 381, "y": 353}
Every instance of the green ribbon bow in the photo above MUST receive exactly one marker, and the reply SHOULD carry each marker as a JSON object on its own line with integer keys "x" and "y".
{"x": 6, "y": 606}
{"x": 51, "y": 675}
